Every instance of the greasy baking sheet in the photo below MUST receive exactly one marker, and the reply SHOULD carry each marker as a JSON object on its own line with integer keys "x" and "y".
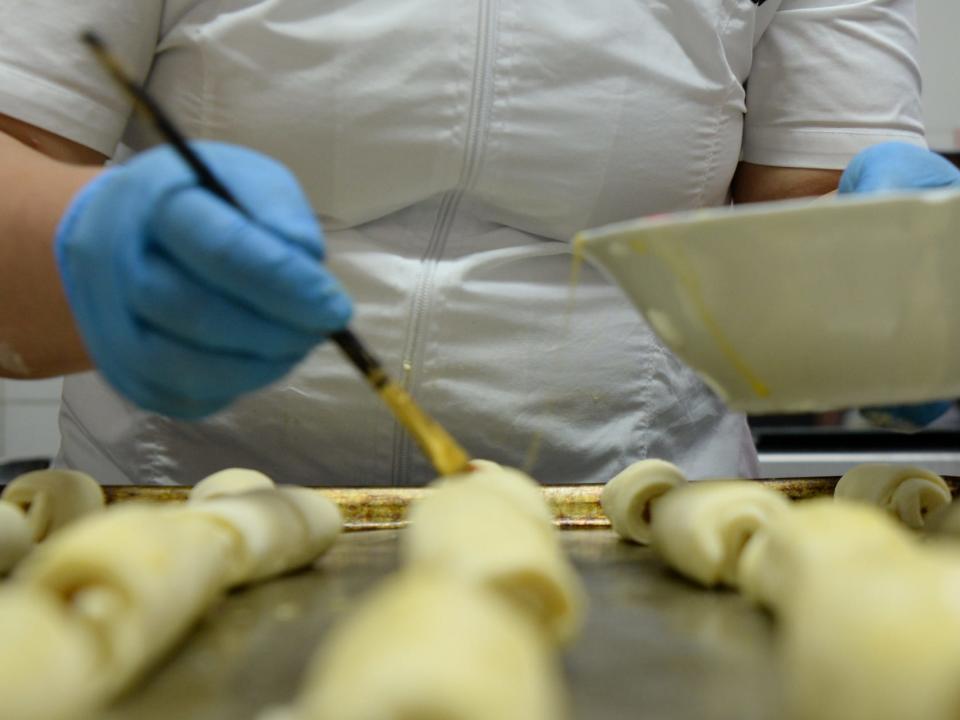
{"x": 654, "y": 646}
{"x": 574, "y": 506}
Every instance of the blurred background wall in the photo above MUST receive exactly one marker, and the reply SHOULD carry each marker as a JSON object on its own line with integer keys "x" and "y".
{"x": 940, "y": 58}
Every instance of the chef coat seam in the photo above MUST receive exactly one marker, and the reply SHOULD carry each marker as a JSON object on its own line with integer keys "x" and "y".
{"x": 418, "y": 308}
{"x": 720, "y": 120}
{"x": 479, "y": 112}
{"x": 642, "y": 418}
{"x": 835, "y": 131}
{"x": 206, "y": 91}
{"x": 667, "y": 360}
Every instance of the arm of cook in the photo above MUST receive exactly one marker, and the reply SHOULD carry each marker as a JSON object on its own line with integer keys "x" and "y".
{"x": 762, "y": 183}
{"x": 808, "y": 112}
{"x": 39, "y": 172}
{"x": 143, "y": 272}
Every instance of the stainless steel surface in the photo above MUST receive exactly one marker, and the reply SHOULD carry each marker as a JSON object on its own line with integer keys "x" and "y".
{"x": 654, "y": 646}
{"x": 820, "y": 464}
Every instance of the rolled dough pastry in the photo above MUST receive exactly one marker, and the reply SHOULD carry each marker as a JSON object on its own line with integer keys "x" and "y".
{"x": 868, "y": 617}
{"x": 133, "y": 579}
{"x": 16, "y": 536}
{"x": 875, "y": 646}
{"x": 945, "y": 522}
{"x": 909, "y": 493}
{"x": 818, "y": 539}
{"x": 426, "y": 646}
{"x": 275, "y": 530}
{"x": 118, "y": 588}
{"x": 518, "y": 488}
{"x": 232, "y": 481}
{"x": 49, "y": 661}
{"x": 701, "y": 529}
{"x": 628, "y": 498}
{"x": 477, "y": 531}
{"x": 52, "y": 499}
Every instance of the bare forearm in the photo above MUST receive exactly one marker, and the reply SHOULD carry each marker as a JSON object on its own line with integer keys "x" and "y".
{"x": 37, "y": 334}
{"x": 760, "y": 183}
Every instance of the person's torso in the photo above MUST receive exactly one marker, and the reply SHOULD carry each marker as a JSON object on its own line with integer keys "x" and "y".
{"x": 451, "y": 149}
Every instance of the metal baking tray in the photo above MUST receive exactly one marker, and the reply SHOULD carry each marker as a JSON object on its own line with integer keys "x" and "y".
{"x": 380, "y": 508}
{"x": 653, "y": 645}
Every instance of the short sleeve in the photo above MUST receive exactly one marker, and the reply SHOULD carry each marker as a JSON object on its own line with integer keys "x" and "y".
{"x": 48, "y": 77}
{"x": 830, "y": 78}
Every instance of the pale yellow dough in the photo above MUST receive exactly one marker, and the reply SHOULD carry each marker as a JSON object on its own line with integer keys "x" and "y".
{"x": 818, "y": 539}
{"x": 489, "y": 532}
{"x": 50, "y": 665}
{"x": 53, "y": 499}
{"x": 275, "y": 530}
{"x": 868, "y": 617}
{"x": 232, "y": 481}
{"x": 468, "y": 629}
{"x": 629, "y": 497}
{"x": 909, "y": 493}
{"x": 701, "y": 529}
{"x": 104, "y": 597}
{"x": 426, "y": 646}
{"x": 16, "y": 536}
{"x": 945, "y": 522}
{"x": 111, "y": 592}
{"x": 876, "y": 645}
{"x": 518, "y": 488}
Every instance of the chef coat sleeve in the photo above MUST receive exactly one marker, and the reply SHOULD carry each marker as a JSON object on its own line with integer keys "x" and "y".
{"x": 48, "y": 78}
{"x": 830, "y": 78}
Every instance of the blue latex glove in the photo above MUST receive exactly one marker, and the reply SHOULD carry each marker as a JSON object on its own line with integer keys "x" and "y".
{"x": 184, "y": 303}
{"x": 899, "y": 166}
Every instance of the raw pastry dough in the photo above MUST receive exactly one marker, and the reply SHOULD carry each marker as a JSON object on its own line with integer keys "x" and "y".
{"x": 321, "y": 517}
{"x": 466, "y": 631}
{"x": 522, "y": 491}
{"x": 817, "y": 539}
{"x": 16, "y": 536}
{"x": 52, "y": 499}
{"x": 111, "y": 592}
{"x": 945, "y": 521}
{"x": 877, "y": 643}
{"x": 49, "y": 661}
{"x": 275, "y": 531}
{"x": 424, "y": 646}
{"x": 868, "y": 617}
{"x": 232, "y": 481}
{"x": 105, "y": 597}
{"x": 477, "y": 530}
{"x": 628, "y": 498}
{"x": 910, "y": 493}
{"x": 701, "y": 529}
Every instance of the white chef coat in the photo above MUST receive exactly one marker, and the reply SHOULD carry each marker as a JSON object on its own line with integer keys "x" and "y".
{"x": 451, "y": 149}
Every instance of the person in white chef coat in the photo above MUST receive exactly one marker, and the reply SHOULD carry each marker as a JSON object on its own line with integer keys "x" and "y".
{"x": 445, "y": 152}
